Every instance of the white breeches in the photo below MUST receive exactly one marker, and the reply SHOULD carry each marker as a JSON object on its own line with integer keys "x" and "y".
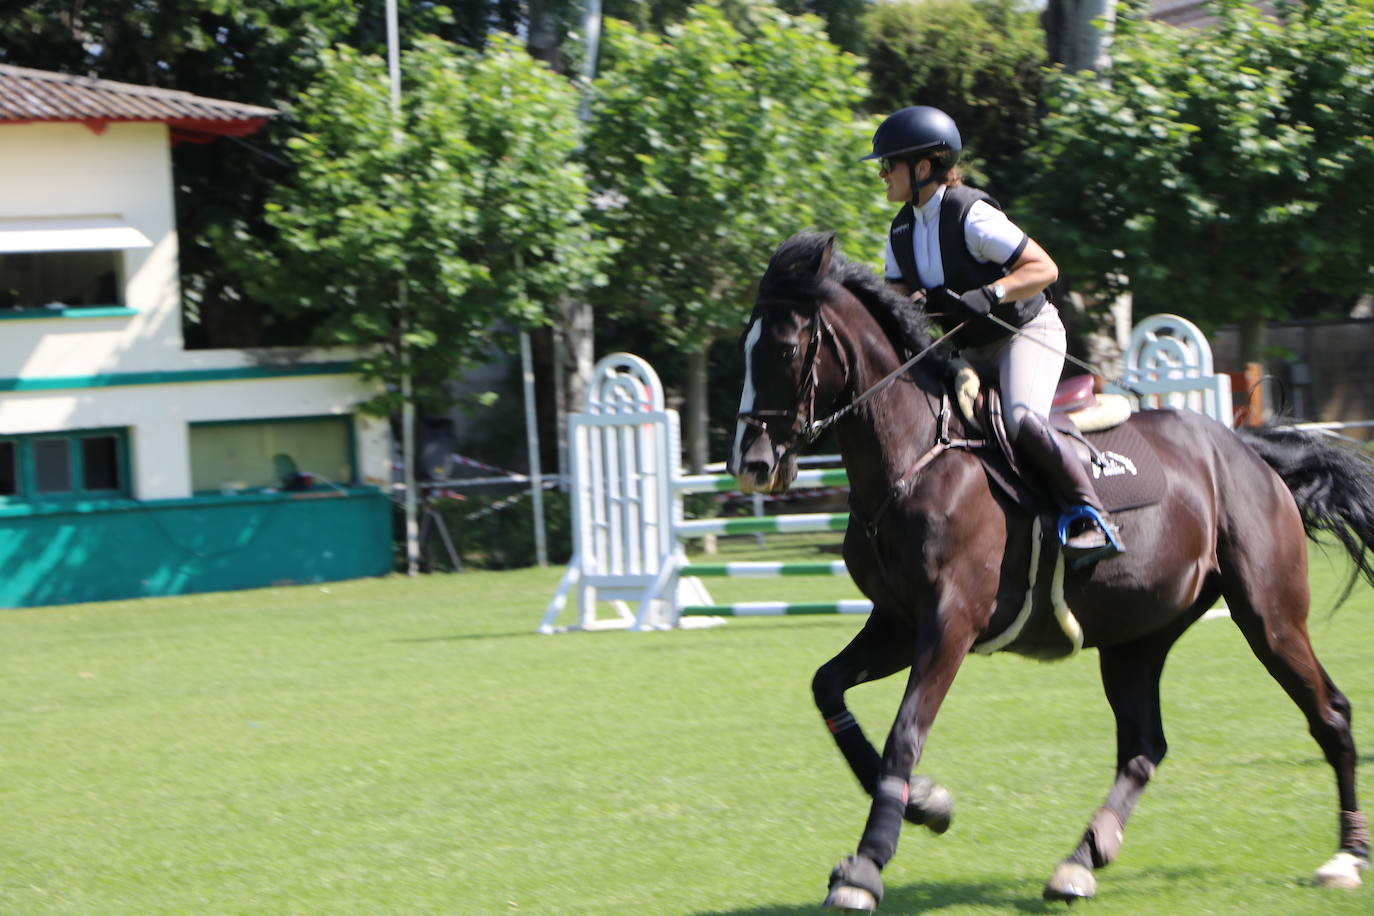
{"x": 1027, "y": 367}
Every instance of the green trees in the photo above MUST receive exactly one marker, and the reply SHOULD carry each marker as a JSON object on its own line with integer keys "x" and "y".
{"x": 262, "y": 52}
{"x": 1218, "y": 173}
{"x": 982, "y": 62}
{"x": 710, "y": 144}
{"x": 438, "y": 228}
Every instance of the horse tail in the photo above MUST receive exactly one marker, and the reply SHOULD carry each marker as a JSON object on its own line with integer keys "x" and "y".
{"x": 1333, "y": 486}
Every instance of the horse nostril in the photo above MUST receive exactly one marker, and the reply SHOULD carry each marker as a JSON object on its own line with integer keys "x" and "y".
{"x": 756, "y": 469}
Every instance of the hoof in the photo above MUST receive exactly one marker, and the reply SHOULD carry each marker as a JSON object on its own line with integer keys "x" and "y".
{"x": 929, "y": 805}
{"x": 1342, "y": 871}
{"x": 1071, "y": 882}
{"x": 855, "y": 886}
{"x": 850, "y": 900}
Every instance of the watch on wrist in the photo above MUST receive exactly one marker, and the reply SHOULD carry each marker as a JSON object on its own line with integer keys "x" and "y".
{"x": 999, "y": 292}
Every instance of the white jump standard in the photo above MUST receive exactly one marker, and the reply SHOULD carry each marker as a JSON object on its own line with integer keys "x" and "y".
{"x": 628, "y": 524}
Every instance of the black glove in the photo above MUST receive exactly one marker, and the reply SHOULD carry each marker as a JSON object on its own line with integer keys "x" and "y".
{"x": 972, "y": 305}
{"x": 975, "y": 304}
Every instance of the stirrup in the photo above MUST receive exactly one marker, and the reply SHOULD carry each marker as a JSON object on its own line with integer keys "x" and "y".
{"x": 1079, "y": 559}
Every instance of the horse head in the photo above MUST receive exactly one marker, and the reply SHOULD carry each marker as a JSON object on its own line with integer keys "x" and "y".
{"x": 789, "y": 370}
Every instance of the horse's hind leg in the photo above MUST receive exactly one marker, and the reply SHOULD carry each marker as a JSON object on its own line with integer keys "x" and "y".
{"x": 1276, "y": 628}
{"x": 1130, "y": 677}
{"x": 883, "y": 647}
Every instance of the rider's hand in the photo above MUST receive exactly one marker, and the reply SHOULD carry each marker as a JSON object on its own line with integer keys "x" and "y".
{"x": 942, "y": 300}
{"x": 972, "y": 305}
{"x": 976, "y": 303}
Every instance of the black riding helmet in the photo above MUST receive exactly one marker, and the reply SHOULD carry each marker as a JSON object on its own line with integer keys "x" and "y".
{"x": 917, "y": 130}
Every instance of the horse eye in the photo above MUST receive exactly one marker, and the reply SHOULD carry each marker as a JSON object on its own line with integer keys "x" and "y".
{"x": 789, "y": 353}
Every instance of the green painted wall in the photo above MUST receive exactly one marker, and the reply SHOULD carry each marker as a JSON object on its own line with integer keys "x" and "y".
{"x": 99, "y": 551}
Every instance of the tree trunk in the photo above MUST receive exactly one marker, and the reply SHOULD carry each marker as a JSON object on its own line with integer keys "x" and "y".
{"x": 576, "y": 355}
{"x": 696, "y": 434}
{"x": 1071, "y": 37}
{"x": 548, "y": 394}
{"x": 1100, "y": 341}
{"x": 542, "y": 42}
{"x": 1074, "y": 41}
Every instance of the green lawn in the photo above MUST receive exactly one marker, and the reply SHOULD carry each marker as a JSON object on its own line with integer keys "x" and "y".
{"x": 414, "y": 747}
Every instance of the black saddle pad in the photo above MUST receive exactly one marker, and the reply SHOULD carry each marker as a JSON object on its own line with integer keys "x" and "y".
{"x": 1129, "y": 475}
{"x": 1124, "y": 467}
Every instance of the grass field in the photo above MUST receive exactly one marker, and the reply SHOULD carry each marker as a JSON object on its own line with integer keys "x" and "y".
{"x": 413, "y": 747}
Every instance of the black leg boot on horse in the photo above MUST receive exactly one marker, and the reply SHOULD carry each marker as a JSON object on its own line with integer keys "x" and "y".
{"x": 1086, "y": 532}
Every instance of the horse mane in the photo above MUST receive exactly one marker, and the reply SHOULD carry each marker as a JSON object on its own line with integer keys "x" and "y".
{"x": 792, "y": 275}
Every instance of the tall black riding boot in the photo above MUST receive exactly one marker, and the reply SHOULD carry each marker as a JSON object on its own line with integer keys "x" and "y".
{"x": 1087, "y": 532}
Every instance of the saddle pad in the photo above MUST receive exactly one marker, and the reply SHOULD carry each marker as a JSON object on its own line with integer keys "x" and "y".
{"x": 1131, "y": 477}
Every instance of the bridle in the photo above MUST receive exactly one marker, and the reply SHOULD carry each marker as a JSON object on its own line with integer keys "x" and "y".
{"x": 804, "y": 428}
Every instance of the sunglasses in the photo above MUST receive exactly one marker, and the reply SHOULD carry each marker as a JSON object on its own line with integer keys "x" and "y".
{"x": 888, "y": 164}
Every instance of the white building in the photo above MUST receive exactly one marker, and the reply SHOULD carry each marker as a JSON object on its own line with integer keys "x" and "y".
{"x": 129, "y": 465}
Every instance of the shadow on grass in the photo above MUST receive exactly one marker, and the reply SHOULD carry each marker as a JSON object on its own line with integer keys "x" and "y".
{"x": 925, "y": 897}
{"x": 461, "y": 637}
{"x": 818, "y": 622}
{"x": 1361, "y": 760}
{"x": 1009, "y": 895}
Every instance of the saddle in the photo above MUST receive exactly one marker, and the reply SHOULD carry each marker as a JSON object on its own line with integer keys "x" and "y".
{"x": 1123, "y": 465}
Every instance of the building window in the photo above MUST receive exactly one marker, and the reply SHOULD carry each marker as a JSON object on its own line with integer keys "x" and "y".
{"x": 60, "y": 280}
{"x": 9, "y": 468}
{"x": 99, "y": 463}
{"x": 67, "y": 465}
{"x": 52, "y": 465}
{"x": 288, "y": 454}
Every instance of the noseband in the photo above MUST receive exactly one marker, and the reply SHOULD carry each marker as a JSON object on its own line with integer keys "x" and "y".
{"x": 802, "y": 424}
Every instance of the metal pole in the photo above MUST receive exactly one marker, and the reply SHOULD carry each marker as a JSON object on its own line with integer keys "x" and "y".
{"x": 541, "y": 551}
{"x": 573, "y": 336}
{"x": 408, "y": 449}
{"x": 591, "y": 27}
{"x": 393, "y": 56}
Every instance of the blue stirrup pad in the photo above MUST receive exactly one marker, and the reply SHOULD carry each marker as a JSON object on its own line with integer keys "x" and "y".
{"x": 1080, "y": 512}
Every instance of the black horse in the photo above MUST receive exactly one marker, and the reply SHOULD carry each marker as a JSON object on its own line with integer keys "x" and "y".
{"x": 952, "y": 564}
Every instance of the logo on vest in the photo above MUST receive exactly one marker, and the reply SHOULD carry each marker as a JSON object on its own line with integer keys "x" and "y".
{"x": 1114, "y": 464}
{"x": 905, "y": 227}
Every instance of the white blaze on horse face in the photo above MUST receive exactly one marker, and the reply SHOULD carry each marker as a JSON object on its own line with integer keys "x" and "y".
{"x": 746, "y": 400}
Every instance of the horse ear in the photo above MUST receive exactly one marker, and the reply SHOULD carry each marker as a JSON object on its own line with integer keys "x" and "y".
{"x": 823, "y": 268}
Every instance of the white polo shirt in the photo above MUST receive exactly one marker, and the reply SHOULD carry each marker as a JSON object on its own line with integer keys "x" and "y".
{"x": 988, "y": 233}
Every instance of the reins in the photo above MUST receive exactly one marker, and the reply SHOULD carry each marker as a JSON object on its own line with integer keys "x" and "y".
{"x": 1067, "y": 357}
{"x": 943, "y": 443}
{"x": 820, "y": 426}
{"x": 811, "y": 429}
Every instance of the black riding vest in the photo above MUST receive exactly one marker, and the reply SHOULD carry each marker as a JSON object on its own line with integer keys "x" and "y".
{"x": 962, "y": 271}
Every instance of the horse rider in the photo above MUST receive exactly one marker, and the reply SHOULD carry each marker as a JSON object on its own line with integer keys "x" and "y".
{"x": 954, "y": 245}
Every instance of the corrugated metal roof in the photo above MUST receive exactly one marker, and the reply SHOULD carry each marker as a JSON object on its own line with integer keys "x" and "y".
{"x": 1194, "y": 13}
{"x": 1181, "y": 12}
{"x": 41, "y": 95}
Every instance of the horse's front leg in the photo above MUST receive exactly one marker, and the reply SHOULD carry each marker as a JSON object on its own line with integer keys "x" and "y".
{"x": 855, "y": 884}
{"x": 883, "y": 647}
